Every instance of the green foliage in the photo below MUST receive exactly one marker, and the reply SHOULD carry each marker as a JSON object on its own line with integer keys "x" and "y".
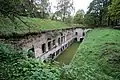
{"x": 15, "y": 65}
{"x": 64, "y": 9}
{"x": 114, "y": 9}
{"x": 98, "y": 9}
{"x": 35, "y": 25}
{"x": 16, "y": 8}
{"x": 79, "y": 16}
{"x": 69, "y": 20}
{"x": 89, "y": 20}
{"x": 8, "y": 7}
{"x": 97, "y": 58}
{"x": 43, "y": 8}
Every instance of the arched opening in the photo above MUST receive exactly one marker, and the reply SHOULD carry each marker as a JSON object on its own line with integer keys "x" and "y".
{"x": 31, "y": 52}
{"x": 49, "y": 45}
{"x": 43, "y": 48}
{"x": 75, "y": 39}
{"x": 53, "y": 42}
{"x": 58, "y": 41}
{"x": 81, "y": 39}
{"x": 83, "y": 34}
{"x": 76, "y": 33}
{"x": 48, "y": 38}
{"x": 61, "y": 49}
{"x": 61, "y": 39}
{"x": 64, "y": 38}
{"x": 57, "y": 52}
{"x": 61, "y": 34}
{"x": 66, "y": 45}
{"x": 51, "y": 56}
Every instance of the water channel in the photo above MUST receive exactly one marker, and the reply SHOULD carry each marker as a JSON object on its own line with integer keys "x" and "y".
{"x": 68, "y": 54}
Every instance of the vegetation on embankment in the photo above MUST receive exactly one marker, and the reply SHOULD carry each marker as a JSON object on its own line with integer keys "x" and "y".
{"x": 7, "y": 27}
{"x": 15, "y": 65}
{"x": 97, "y": 58}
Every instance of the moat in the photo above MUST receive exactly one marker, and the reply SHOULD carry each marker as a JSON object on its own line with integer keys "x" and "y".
{"x": 68, "y": 54}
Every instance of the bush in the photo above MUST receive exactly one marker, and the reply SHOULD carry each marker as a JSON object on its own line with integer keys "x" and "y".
{"x": 17, "y": 66}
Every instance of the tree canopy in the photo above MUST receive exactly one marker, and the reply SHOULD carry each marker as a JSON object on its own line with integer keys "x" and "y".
{"x": 32, "y": 8}
{"x": 64, "y": 9}
{"x": 79, "y": 16}
{"x": 114, "y": 9}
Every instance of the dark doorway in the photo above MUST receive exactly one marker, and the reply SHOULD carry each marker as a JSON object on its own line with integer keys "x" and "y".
{"x": 61, "y": 39}
{"x": 52, "y": 56}
{"x": 49, "y": 45}
{"x": 61, "y": 49}
{"x": 83, "y": 33}
{"x": 57, "y": 52}
{"x": 81, "y": 39}
{"x": 75, "y": 39}
{"x": 58, "y": 41}
{"x": 76, "y": 33}
{"x": 53, "y": 42}
{"x": 66, "y": 45}
{"x": 43, "y": 48}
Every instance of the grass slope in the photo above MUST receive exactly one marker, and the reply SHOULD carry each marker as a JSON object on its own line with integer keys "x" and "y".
{"x": 98, "y": 57}
{"x": 35, "y": 25}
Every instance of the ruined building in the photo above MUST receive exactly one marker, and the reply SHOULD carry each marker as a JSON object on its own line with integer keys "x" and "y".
{"x": 50, "y": 44}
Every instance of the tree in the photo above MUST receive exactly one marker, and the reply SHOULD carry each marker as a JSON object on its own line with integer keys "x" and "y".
{"x": 64, "y": 9}
{"x": 114, "y": 10}
{"x": 32, "y": 8}
{"x": 9, "y": 8}
{"x": 79, "y": 16}
{"x": 99, "y": 10}
{"x": 90, "y": 20}
{"x": 43, "y": 8}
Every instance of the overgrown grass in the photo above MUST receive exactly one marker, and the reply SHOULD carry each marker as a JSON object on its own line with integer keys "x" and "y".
{"x": 15, "y": 65}
{"x": 7, "y": 27}
{"x": 98, "y": 57}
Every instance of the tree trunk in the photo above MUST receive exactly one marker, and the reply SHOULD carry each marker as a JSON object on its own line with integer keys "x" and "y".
{"x": 116, "y": 22}
{"x": 108, "y": 20}
{"x": 100, "y": 17}
{"x": 43, "y": 15}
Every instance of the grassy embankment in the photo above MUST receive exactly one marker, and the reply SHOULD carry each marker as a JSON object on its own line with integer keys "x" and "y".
{"x": 15, "y": 65}
{"x": 35, "y": 25}
{"x": 98, "y": 57}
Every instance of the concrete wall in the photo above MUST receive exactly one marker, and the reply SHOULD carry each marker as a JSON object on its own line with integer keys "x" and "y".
{"x": 53, "y": 42}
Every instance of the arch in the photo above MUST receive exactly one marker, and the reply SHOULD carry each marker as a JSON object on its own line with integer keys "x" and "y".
{"x": 75, "y": 39}
{"x": 57, "y": 52}
{"x": 81, "y": 39}
{"x": 62, "y": 39}
{"x": 49, "y": 45}
{"x": 54, "y": 42}
{"x": 83, "y": 34}
{"x": 31, "y": 52}
{"x": 43, "y": 48}
{"x": 58, "y": 41}
{"x": 76, "y": 33}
